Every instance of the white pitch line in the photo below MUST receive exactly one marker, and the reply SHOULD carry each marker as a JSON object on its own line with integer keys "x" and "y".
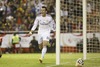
{"x": 69, "y": 62}
{"x": 93, "y": 58}
{"x": 96, "y": 66}
{"x": 57, "y": 65}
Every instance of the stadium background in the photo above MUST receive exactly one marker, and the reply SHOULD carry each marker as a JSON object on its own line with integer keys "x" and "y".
{"x": 19, "y": 15}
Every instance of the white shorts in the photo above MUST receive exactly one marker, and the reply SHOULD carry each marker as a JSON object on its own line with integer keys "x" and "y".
{"x": 43, "y": 37}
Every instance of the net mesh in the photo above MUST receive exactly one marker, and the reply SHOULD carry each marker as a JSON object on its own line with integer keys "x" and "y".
{"x": 72, "y": 26}
{"x": 93, "y": 26}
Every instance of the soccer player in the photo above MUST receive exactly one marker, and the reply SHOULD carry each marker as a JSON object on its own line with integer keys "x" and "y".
{"x": 46, "y": 25}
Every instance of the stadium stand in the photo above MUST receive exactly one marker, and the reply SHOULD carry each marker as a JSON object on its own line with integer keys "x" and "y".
{"x": 19, "y": 15}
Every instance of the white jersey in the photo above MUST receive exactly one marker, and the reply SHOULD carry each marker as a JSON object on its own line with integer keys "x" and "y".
{"x": 46, "y": 24}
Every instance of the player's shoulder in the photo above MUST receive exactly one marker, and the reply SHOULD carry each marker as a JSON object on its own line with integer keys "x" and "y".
{"x": 48, "y": 15}
{"x": 38, "y": 16}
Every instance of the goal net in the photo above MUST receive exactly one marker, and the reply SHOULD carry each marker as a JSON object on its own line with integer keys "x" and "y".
{"x": 74, "y": 14}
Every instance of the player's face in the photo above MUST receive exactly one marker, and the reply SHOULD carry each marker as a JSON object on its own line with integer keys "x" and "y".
{"x": 43, "y": 11}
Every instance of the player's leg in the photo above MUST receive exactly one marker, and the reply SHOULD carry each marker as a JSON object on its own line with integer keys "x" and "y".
{"x": 44, "y": 49}
{"x": 40, "y": 42}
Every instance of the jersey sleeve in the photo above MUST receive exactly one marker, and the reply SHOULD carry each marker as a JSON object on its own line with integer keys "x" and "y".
{"x": 53, "y": 25}
{"x": 36, "y": 22}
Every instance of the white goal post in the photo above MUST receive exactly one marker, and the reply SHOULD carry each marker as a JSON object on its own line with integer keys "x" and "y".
{"x": 58, "y": 31}
{"x": 84, "y": 30}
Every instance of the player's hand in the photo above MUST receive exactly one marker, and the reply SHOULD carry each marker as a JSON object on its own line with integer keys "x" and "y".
{"x": 29, "y": 34}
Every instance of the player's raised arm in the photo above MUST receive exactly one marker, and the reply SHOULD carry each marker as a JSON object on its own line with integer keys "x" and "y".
{"x": 36, "y": 22}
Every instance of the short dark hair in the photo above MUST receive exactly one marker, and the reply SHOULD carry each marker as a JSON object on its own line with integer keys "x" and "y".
{"x": 44, "y": 7}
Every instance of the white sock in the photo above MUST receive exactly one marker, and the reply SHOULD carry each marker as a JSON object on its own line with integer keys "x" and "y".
{"x": 44, "y": 50}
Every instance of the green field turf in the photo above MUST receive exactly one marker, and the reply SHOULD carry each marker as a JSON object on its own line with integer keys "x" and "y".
{"x": 31, "y": 60}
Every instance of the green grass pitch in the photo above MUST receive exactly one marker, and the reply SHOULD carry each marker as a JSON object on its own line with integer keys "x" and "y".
{"x": 31, "y": 60}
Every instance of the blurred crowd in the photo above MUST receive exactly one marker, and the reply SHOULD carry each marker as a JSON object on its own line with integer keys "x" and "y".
{"x": 19, "y": 15}
{"x": 72, "y": 15}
